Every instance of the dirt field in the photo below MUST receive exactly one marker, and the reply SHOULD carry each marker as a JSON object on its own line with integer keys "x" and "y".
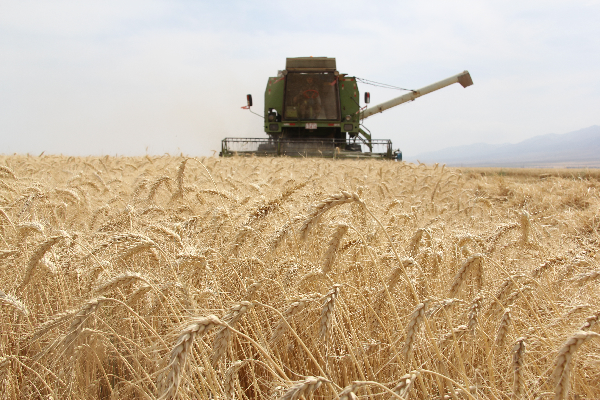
{"x": 169, "y": 277}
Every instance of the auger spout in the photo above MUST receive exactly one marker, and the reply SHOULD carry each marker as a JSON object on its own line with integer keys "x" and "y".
{"x": 464, "y": 78}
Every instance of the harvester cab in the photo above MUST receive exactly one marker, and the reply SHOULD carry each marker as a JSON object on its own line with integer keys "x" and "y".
{"x": 313, "y": 110}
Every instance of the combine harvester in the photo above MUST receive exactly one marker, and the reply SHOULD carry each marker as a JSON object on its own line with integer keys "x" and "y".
{"x": 311, "y": 110}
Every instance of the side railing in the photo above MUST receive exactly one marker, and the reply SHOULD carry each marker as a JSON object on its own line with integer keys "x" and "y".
{"x": 324, "y": 148}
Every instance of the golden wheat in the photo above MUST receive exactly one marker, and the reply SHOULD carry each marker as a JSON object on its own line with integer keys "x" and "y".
{"x": 271, "y": 245}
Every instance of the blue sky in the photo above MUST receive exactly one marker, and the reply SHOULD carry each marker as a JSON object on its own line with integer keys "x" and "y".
{"x": 130, "y": 77}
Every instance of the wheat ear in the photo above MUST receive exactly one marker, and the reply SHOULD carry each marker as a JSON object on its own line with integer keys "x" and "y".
{"x": 456, "y": 333}
{"x": 279, "y": 235}
{"x": 154, "y": 187}
{"x": 415, "y": 240}
{"x": 230, "y": 379}
{"x": 472, "y": 265}
{"x": 293, "y": 309}
{"x": 518, "y": 361}
{"x": 586, "y": 277}
{"x": 325, "y": 205}
{"x": 221, "y": 341}
{"x": 412, "y": 329}
{"x": 182, "y": 348}
{"x": 562, "y": 364}
{"x": 56, "y": 320}
{"x": 37, "y": 255}
{"x": 328, "y": 312}
{"x": 252, "y": 290}
{"x": 179, "y": 180}
{"x": 405, "y": 384}
{"x": 525, "y": 224}
{"x": 125, "y": 279}
{"x": 79, "y": 320}
{"x": 474, "y": 311}
{"x": 334, "y": 245}
{"x": 303, "y": 388}
{"x": 503, "y": 328}
{"x": 7, "y": 171}
{"x": 349, "y": 391}
{"x": 241, "y": 236}
{"x": 13, "y": 302}
{"x": 441, "y": 305}
{"x": 138, "y": 294}
{"x": 590, "y": 322}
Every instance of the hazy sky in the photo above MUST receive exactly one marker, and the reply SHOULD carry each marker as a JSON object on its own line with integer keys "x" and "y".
{"x": 130, "y": 77}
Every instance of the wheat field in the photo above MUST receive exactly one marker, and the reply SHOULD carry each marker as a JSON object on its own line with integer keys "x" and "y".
{"x": 251, "y": 278}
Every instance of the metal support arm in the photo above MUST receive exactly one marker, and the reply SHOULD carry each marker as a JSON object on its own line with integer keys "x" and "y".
{"x": 464, "y": 78}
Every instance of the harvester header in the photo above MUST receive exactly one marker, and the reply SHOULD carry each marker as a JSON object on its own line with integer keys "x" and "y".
{"x": 313, "y": 110}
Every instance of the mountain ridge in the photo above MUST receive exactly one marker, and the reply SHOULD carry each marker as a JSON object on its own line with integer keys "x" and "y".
{"x": 578, "y": 148}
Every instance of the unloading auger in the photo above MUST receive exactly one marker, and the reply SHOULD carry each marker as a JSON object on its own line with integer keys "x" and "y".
{"x": 311, "y": 110}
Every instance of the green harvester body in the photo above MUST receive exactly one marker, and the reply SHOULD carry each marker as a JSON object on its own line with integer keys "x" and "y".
{"x": 311, "y": 110}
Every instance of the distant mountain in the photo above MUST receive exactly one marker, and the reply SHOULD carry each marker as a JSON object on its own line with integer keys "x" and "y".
{"x": 575, "y": 149}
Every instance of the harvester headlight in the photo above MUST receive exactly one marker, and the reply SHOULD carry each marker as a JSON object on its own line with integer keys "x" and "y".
{"x": 348, "y": 127}
{"x": 273, "y": 127}
{"x": 348, "y": 117}
{"x": 271, "y": 117}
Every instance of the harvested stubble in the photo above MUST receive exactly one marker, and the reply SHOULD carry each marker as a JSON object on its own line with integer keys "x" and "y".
{"x": 170, "y": 241}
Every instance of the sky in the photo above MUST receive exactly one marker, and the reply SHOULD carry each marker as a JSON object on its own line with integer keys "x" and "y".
{"x": 135, "y": 77}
